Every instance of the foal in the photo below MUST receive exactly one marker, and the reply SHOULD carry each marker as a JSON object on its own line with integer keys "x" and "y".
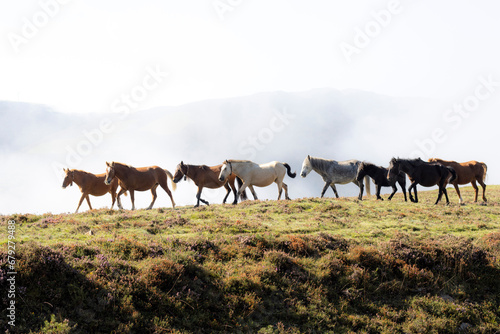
{"x": 379, "y": 177}
{"x": 89, "y": 184}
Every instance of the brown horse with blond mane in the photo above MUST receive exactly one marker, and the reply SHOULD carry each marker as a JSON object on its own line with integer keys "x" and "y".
{"x": 208, "y": 177}
{"x": 89, "y": 184}
{"x": 140, "y": 179}
{"x": 467, "y": 172}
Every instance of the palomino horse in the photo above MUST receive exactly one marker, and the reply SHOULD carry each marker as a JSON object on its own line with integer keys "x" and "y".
{"x": 332, "y": 172}
{"x": 140, "y": 179}
{"x": 470, "y": 171}
{"x": 205, "y": 176}
{"x": 424, "y": 173}
{"x": 253, "y": 174}
{"x": 89, "y": 184}
{"x": 379, "y": 177}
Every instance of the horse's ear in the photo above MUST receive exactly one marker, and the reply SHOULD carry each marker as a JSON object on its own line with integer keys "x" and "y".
{"x": 108, "y": 164}
{"x": 182, "y": 163}
{"x": 226, "y": 162}
{"x": 308, "y": 157}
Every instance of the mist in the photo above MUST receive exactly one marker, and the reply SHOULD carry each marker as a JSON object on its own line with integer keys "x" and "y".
{"x": 38, "y": 142}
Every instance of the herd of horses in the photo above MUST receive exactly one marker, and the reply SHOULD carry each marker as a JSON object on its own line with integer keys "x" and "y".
{"x": 248, "y": 174}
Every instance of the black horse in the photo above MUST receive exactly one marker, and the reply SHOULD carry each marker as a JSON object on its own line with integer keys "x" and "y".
{"x": 424, "y": 173}
{"x": 379, "y": 177}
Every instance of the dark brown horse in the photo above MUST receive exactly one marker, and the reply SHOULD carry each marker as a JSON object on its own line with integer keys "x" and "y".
{"x": 89, "y": 184}
{"x": 379, "y": 177}
{"x": 467, "y": 172}
{"x": 207, "y": 177}
{"x": 140, "y": 179}
{"x": 425, "y": 173}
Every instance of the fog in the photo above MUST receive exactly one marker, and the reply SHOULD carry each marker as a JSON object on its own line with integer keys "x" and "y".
{"x": 38, "y": 142}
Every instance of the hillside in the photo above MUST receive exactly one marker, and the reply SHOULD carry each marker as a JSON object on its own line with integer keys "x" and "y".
{"x": 302, "y": 266}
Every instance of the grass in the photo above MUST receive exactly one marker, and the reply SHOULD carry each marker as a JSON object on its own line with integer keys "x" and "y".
{"x": 302, "y": 266}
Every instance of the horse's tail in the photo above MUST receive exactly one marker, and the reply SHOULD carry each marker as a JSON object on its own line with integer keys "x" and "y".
{"x": 174, "y": 185}
{"x": 367, "y": 183}
{"x": 485, "y": 169}
{"x": 243, "y": 195}
{"x": 453, "y": 174}
{"x": 289, "y": 170}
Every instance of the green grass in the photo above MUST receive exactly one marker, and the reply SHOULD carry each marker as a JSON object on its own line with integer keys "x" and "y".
{"x": 302, "y": 266}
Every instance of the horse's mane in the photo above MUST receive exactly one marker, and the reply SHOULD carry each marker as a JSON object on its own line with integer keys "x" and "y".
{"x": 239, "y": 161}
{"x": 413, "y": 162}
{"x": 320, "y": 163}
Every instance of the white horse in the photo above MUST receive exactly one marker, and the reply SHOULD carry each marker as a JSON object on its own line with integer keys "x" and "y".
{"x": 332, "y": 172}
{"x": 253, "y": 174}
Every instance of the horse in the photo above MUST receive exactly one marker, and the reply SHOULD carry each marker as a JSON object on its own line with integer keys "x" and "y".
{"x": 332, "y": 172}
{"x": 253, "y": 174}
{"x": 89, "y": 184}
{"x": 379, "y": 177}
{"x": 470, "y": 171}
{"x": 205, "y": 176}
{"x": 140, "y": 179}
{"x": 425, "y": 173}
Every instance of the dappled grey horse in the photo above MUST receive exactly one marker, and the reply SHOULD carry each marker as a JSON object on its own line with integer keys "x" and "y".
{"x": 335, "y": 172}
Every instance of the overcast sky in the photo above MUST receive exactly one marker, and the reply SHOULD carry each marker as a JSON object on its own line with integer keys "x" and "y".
{"x": 81, "y": 56}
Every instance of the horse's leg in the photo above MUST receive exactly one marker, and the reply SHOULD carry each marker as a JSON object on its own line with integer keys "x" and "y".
{"x": 153, "y": 192}
{"x": 446, "y": 195}
{"x": 412, "y": 186}
{"x": 394, "y": 190}
{"x": 460, "y": 200}
{"x": 474, "y": 185}
{"x": 198, "y": 196}
{"x": 253, "y": 192}
{"x": 164, "y": 185}
{"x": 132, "y": 198}
{"x": 327, "y": 184}
{"x": 88, "y": 201}
{"x": 228, "y": 191}
{"x": 361, "y": 189}
{"x": 483, "y": 185}
{"x": 242, "y": 189}
{"x": 113, "y": 198}
{"x": 442, "y": 190}
{"x": 80, "y": 202}
{"x": 403, "y": 187}
{"x": 280, "y": 189}
{"x": 118, "y": 200}
{"x": 415, "y": 191}
{"x": 285, "y": 186}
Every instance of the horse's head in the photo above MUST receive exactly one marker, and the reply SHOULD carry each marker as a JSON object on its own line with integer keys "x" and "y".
{"x": 68, "y": 178}
{"x": 393, "y": 170}
{"x": 225, "y": 171}
{"x": 306, "y": 167}
{"x": 110, "y": 173}
{"x": 361, "y": 171}
{"x": 180, "y": 172}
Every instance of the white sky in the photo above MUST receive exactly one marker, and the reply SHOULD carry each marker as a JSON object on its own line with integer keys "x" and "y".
{"x": 82, "y": 55}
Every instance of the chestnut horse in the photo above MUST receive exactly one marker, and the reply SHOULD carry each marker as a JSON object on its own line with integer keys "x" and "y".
{"x": 140, "y": 179}
{"x": 425, "y": 173}
{"x": 467, "y": 172}
{"x": 89, "y": 184}
{"x": 205, "y": 176}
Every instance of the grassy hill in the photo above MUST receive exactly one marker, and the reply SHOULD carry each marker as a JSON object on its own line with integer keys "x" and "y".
{"x": 302, "y": 266}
